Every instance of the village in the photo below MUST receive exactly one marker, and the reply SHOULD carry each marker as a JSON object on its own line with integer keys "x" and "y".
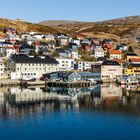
{"x": 32, "y": 56}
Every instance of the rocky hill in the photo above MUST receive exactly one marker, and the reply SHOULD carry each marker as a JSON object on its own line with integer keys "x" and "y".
{"x": 22, "y": 26}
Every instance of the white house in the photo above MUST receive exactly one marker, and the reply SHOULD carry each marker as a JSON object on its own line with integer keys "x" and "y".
{"x": 49, "y": 37}
{"x": 25, "y": 35}
{"x": 98, "y": 52}
{"x": 73, "y": 54}
{"x": 115, "y": 54}
{"x": 3, "y": 74}
{"x": 65, "y": 64}
{"x": 84, "y": 65}
{"x": 64, "y": 41}
{"x": 23, "y": 66}
{"x": 12, "y": 38}
{"x": 38, "y": 36}
{"x": 8, "y": 50}
{"x": 76, "y": 41}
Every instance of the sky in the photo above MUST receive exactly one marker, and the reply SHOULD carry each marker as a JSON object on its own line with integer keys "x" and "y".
{"x": 77, "y": 10}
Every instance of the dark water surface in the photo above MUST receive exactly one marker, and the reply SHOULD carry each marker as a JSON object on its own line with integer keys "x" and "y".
{"x": 103, "y": 112}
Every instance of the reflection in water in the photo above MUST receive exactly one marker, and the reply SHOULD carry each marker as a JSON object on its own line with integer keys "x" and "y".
{"x": 18, "y": 102}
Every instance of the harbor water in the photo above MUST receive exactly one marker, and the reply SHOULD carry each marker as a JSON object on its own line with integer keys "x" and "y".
{"x": 102, "y": 112}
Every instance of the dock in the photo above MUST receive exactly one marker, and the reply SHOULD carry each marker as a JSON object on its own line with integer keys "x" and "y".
{"x": 9, "y": 82}
{"x": 69, "y": 84}
{"x": 56, "y": 84}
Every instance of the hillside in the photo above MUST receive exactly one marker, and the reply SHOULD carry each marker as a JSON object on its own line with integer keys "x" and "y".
{"x": 25, "y": 26}
{"x": 123, "y": 30}
{"x": 59, "y": 22}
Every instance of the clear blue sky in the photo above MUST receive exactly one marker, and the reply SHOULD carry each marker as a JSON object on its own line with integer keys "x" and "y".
{"x": 83, "y": 10}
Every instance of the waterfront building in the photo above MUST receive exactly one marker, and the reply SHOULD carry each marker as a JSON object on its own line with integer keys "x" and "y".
{"x": 90, "y": 76}
{"x": 110, "y": 70}
{"x": 132, "y": 70}
{"x": 23, "y": 66}
{"x": 71, "y": 77}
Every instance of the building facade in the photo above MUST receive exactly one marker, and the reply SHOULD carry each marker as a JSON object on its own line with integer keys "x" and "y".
{"x": 110, "y": 70}
{"x": 65, "y": 64}
{"x": 23, "y": 66}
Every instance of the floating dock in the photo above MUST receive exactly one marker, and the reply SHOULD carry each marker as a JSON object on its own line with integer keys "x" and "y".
{"x": 56, "y": 84}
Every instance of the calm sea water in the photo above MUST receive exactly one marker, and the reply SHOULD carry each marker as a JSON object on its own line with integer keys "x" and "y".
{"x": 102, "y": 112}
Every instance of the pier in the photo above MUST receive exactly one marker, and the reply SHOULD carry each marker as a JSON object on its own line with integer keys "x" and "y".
{"x": 57, "y": 84}
{"x": 68, "y": 84}
{"x": 9, "y": 82}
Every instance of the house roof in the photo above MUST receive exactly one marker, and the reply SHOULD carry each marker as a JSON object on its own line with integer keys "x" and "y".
{"x": 89, "y": 74}
{"x": 110, "y": 62}
{"x": 134, "y": 60}
{"x": 135, "y": 65}
{"x": 7, "y": 43}
{"x": 26, "y": 46}
{"x": 10, "y": 47}
{"x": 60, "y": 50}
{"x": 67, "y": 74}
{"x": 118, "y": 60}
{"x": 130, "y": 54}
{"x": 21, "y": 58}
{"x": 108, "y": 46}
{"x": 101, "y": 59}
{"x": 72, "y": 44}
{"x": 114, "y": 52}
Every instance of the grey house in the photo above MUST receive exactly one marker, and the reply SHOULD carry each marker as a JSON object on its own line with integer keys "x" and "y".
{"x": 62, "y": 76}
{"x": 71, "y": 77}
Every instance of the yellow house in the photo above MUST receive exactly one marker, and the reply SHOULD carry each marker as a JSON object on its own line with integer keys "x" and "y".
{"x": 132, "y": 70}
